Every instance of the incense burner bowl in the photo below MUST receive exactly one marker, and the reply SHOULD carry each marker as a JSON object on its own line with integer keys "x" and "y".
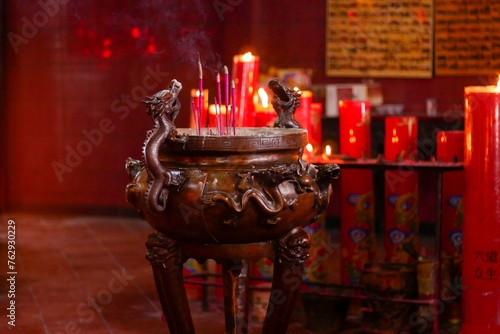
{"x": 243, "y": 188}
{"x": 233, "y": 198}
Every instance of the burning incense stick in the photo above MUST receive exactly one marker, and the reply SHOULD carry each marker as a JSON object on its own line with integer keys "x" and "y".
{"x": 195, "y": 118}
{"x": 233, "y": 109}
{"x": 200, "y": 97}
{"x": 217, "y": 116}
{"x": 219, "y": 97}
{"x": 226, "y": 93}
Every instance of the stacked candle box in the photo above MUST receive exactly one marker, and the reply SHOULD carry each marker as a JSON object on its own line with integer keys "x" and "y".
{"x": 401, "y": 192}
{"x": 450, "y": 148}
{"x": 356, "y": 191}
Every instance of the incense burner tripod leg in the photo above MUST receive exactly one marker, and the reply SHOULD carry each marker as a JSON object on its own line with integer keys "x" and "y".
{"x": 236, "y": 281}
{"x": 165, "y": 258}
{"x": 292, "y": 251}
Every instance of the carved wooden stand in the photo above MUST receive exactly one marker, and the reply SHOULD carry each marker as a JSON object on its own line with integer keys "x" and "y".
{"x": 289, "y": 254}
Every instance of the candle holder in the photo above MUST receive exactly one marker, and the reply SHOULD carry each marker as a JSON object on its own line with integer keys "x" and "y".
{"x": 235, "y": 199}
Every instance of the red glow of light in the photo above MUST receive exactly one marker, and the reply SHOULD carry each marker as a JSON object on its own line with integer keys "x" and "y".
{"x": 80, "y": 32}
{"x": 350, "y": 14}
{"x": 136, "y": 32}
{"x": 106, "y": 42}
{"x": 106, "y": 53}
{"x": 151, "y": 48}
{"x": 91, "y": 33}
{"x": 151, "y": 38}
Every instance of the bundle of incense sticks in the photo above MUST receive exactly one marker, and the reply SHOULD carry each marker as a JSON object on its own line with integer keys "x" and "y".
{"x": 230, "y": 119}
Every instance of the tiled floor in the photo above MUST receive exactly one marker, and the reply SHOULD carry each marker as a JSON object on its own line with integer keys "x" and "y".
{"x": 89, "y": 275}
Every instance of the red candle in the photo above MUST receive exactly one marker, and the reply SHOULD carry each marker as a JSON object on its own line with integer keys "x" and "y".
{"x": 264, "y": 112}
{"x": 303, "y": 113}
{"x": 204, "y": 112}
{"x": 245, "y": 76}
{"x": 213, "y": 111}
{"x": 481, "y": 231}
{"x": 450, "y": 146}
{"x": 400, "y": 138}
{"x": 401, "y": 191}
{"x": 315, "y": 132}
{"x": 357, "y": 234}
{"x": 355, "y": 128}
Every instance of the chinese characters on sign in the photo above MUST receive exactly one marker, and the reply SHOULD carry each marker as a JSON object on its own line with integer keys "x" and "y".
{"x": 467, "y": 37}
{"x": 485, "y": 263}
{"x": 379, "y": 38}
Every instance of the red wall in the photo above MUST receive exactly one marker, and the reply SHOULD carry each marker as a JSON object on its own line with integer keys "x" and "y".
{"x": 70, "y": 76}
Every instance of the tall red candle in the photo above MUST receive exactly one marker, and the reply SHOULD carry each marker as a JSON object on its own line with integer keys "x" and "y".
{"x": 204, "y": 111}
{"x": 303, "y": 113}
{"x": 481, "y": 231}
{"x": 401, "y": 191}
{"x": 400, "y": 138}
{"x": 357, "y": 233}
{"x": 264, "y": 112}
{"x": 245, "y": 76}
{"x": 315, "y": 132}
{"x": 355, "y": 128}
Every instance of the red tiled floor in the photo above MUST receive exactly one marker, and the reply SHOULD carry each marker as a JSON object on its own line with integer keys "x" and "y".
{"x": 69, "y": 263}
{"x": 66, "y": 281}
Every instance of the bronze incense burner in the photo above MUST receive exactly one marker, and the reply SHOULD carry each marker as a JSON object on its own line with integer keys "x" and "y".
{"x": 233, "y": 198}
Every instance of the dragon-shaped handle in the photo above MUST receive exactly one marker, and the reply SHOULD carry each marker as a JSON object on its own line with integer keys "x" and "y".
{"x": 285, "y": 101}
{"x": 163, "y": 108}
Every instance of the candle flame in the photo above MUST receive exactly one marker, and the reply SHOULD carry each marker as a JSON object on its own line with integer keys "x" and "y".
{"x": 213, "y": 109}
{"x": 263, "y": 97}
{"x": 328, "y": 150}
{"x": 497, "y": 90}
{"x": 394, "y": 138}
{"x": 309, "y": 148}
{"x": 197, "y": 93}
{"x": 247, "y": 57}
